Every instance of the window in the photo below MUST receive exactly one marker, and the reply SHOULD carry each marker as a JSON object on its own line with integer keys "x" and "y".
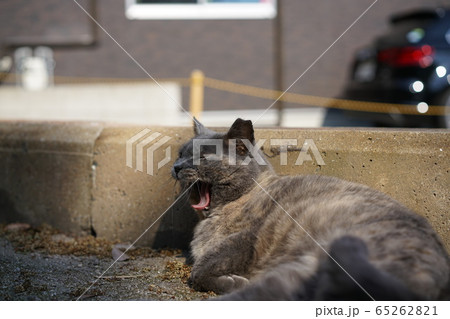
{"x": 200, "y": 9}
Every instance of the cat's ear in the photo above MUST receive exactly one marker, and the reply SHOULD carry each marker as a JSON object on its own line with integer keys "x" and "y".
{"x": 241, "y": 129}
{"x": 199, "y": 128}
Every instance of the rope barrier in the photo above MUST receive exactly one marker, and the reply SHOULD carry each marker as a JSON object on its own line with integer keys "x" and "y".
{"x": 263, "y": 93}
{"x": 353, "y": 105}
{"x": 11, "y": 78}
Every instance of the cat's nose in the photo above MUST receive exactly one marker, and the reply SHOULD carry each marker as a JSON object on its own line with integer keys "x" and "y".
{"x": 176, "y": 168}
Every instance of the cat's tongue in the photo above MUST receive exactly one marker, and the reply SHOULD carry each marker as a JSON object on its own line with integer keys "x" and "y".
{"x": 204, "y": 197}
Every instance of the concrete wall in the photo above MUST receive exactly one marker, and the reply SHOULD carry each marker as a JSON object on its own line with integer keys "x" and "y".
{"x": 118, "y": 102}
{"x": 75, "y": 177}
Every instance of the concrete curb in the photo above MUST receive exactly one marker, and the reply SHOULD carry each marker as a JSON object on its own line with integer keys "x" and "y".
{"x": 74, "y": 176}
{"x": 46, "y": 175}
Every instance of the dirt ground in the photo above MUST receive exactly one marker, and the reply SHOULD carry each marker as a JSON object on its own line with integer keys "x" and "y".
{"x": 42, "y": 264}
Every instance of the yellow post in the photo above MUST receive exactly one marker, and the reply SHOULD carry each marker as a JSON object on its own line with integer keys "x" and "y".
{"x": 197, "y": 89}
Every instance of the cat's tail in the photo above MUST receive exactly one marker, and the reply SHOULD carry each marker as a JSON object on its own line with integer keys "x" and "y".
{"x": 347, "y": 274}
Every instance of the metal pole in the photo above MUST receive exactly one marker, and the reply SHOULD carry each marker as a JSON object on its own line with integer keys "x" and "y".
{"x": 278, "y": 58}
{"x": 197, "y": 93}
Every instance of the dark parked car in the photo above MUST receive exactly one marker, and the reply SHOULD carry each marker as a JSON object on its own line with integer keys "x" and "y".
{"x": 410, "y": 64}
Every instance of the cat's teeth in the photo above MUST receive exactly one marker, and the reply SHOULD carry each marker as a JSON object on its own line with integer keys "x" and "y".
{"x": 206, "y": 208}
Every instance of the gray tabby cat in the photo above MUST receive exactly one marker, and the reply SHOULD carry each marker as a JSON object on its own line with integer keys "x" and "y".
{"x": 268, "y": 237}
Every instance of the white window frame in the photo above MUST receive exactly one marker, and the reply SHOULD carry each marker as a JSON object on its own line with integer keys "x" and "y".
{"x": 200, "y": 11}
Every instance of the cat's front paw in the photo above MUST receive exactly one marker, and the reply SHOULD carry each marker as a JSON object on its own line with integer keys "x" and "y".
{"x": 229, "y": 283}
{"x": 222, "y": 284}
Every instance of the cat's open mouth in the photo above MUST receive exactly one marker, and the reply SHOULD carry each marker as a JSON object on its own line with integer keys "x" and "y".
{"x": 201, "y": 196}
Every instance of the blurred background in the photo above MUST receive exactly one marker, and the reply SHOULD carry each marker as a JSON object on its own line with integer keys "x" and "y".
{"x": 98, "y": 59}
